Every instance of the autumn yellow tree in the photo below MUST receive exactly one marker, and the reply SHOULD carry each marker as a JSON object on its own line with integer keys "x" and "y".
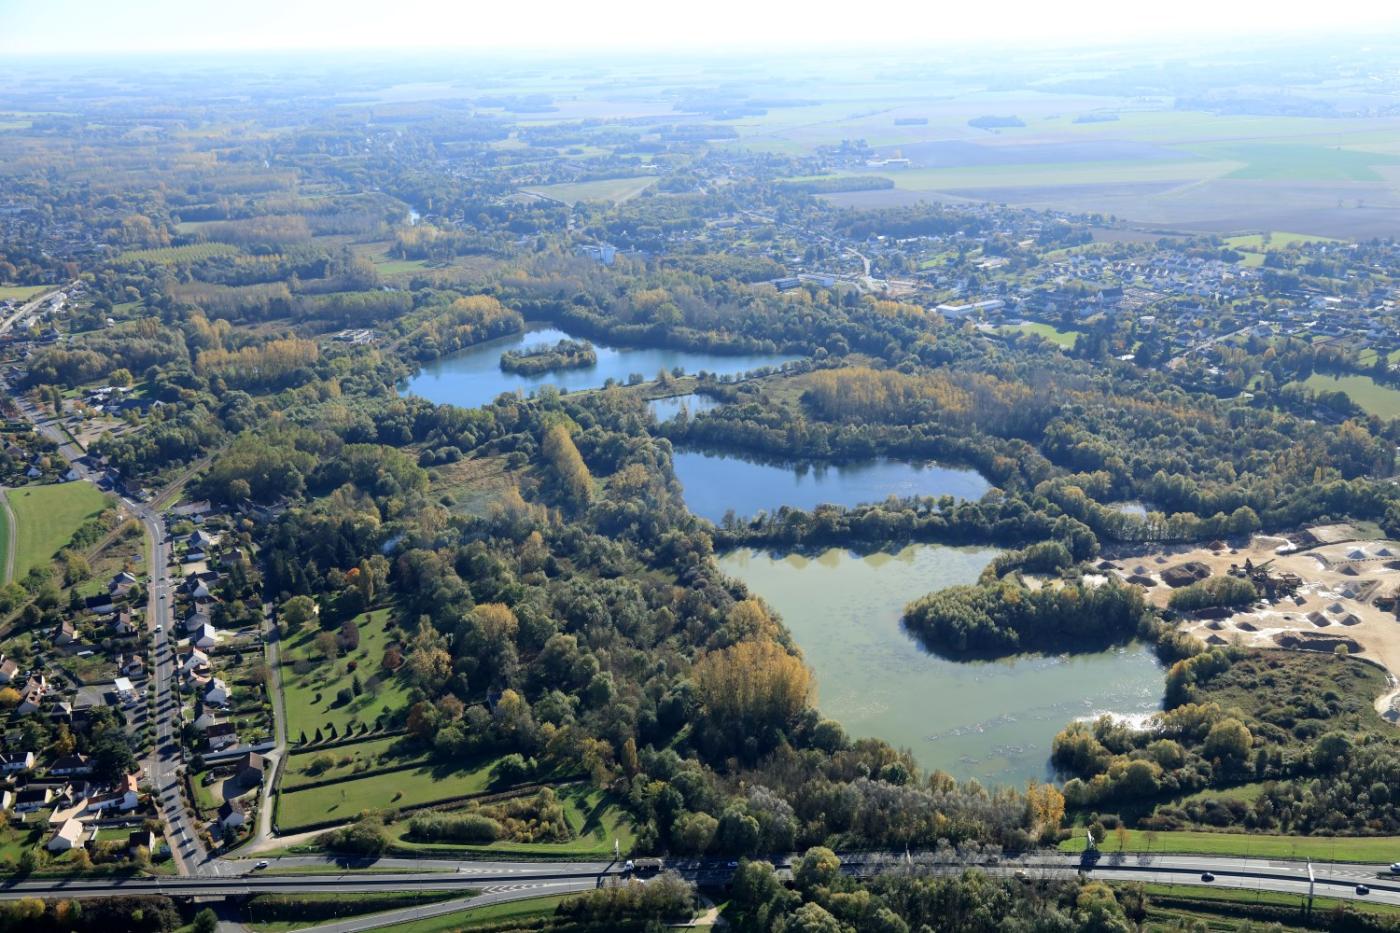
{"x": 568, "y": 464}
{"x": 753, "y": 685}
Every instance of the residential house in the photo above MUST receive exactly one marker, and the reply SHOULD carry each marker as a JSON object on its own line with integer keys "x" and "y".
{"x": 206, "y": 718}
{"x": 122, "y": 583}
{"x": 64, "y": 634}
{"x": 233, "y": 814}
{"x": 134, "y": 666}
{"x": 126, "y": 693}
{"x": 101, "y": 604}
{"x": 194, "y": 662}
{"x": 217, "y": 693}
{"x": 121, "y": 797}
{"x": 10, "y": 762}
{"x": 197, "y": 620}
{"x": 31, "y": 698}
{"x": 8, "y": 670}
{"x": 248, "y": 770}
{"x": 71, "y": 835}
{"x": 34, "y": 797}
{"x": 140, "y": 839}
{"x": 70, "y": 765}
{"x": 122, "y": 624}
{"x": 206, "y": 638}
{"x": 221, "y": 735}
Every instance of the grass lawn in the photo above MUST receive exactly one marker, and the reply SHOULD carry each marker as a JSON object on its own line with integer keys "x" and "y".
{"x": 1061, "y": 338}
{"x": 6, "y": 531}
{"x": 1373, "y": 397}
{"x": 596, "y": 820}
{"x": 1277, "y": 239}
{"x": 346, "y": 905}
{"x": 311, "y": 697}
{"x": 47, "y": 516}
{"x": 1376, "y": 849}
{"x": 491, "y": 915}
{"x": 396, "y": 789}
{"x": 1171, "y": 895}
{"x": 615, "y": 190}
{"x": 22, "y": 292}
{"x": 362, "y": 756}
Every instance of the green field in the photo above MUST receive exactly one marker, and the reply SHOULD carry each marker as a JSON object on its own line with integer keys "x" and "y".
{"x": 411, "y": 786}
{"x": 47, "y": 516}
{"x": 1376, "y": 849}
{"x": 1066, "y": 339}
{"x": 1373, "y": 397}
{"x": 22, "y": 292}
{"x": 373, "y": 753}
{"x": 597, "y": 822}
{"x": 1274, "y": 161}
{"x": 615, "y": 190}
{"x": 311, "y": 697}
{"x": 1060, "y": 173}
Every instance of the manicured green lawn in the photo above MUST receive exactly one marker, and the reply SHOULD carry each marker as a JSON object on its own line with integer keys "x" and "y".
{"x": 596, "y": 820}
{"x": 373, "y": 753}
{"x": 6, "y": 542}
{"x": 311, "y": 697}
{"x": 22, "y": 292}
{"x": 47, "y": 516}
{"x": 404, "y": 788}
{"x": 347, "y": 904}
{"x": 490, "y": 915}
{"x": 1199, "y": 892}
{"x": 1373, "y": 397}
{"x": 1322, "y": 848}
{"x": 1062, "y": 338}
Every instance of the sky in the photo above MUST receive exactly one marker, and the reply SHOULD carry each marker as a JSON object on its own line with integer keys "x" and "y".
{"x": 82, "y": 27}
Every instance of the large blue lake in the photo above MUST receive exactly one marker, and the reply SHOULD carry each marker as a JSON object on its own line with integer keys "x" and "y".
{"x": 473, "y": 377}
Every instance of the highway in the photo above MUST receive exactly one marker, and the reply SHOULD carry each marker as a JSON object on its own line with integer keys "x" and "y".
{"x": 509, "y": 880}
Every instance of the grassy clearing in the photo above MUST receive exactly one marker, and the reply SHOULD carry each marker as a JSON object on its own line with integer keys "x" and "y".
{"x": 1374, "y": 398}
{"x": 492, "y": 915}
{"x": 615, "y": 190}
{"x": 22, "y": 292}
{"x": 1065, "y": 339}
{"x": 596, "y": 819}
{"x": 409, "y": 787}
{"x": 349, "y": 759}
{"x": 311, "y": 696}
{"x": 47, "y": 517}
{"x": 1275, "y": 239}
{"x": 1375, "y": 849}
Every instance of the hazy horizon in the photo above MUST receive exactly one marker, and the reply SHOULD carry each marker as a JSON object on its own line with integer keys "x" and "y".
{"x": 86, "y": 27}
